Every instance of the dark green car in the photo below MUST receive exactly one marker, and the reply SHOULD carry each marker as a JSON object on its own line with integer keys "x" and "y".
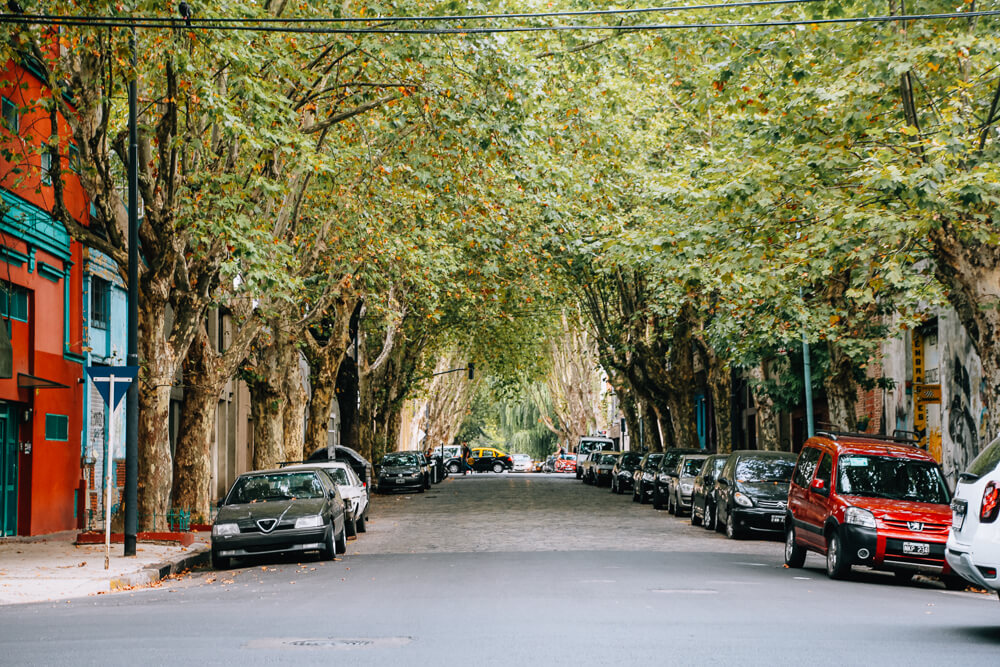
{"x": 279, "y": 511}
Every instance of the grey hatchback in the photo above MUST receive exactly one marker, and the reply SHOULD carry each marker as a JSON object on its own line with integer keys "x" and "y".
{"x": 277, "y": 511}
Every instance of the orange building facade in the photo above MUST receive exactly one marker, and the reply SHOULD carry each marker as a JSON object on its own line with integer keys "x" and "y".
{"x": 41, "y": 307}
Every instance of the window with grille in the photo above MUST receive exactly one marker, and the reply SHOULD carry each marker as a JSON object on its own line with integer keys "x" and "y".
{"x": 100, "y": 303}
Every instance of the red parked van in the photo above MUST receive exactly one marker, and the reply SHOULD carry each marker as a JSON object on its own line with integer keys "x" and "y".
{"x": 859, "y": 499}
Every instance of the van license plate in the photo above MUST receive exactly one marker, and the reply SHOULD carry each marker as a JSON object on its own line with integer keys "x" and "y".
{"x": 916, "y": 549}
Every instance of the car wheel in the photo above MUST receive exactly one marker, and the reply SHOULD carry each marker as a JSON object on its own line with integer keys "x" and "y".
{"x": 671, "y": 505}
{"x": 340, "y": 544}
{"x": 733, "y": 531}
{"x": 643, "y": 497}
{"x": 695, "y": 519}
{"x": 219, "y": 562}
{"x": 453, "y": 468}
{"x": 329, "y": 548}
{"x": 953, "y": 582}
{"x": 657, "y": 501}
{"x": 498, "y": 468}
{"x": 362, "y": 523}
{"x": 836, "y": 564}
{"x": 795, "y": 556}
{"x": 710, "y": 518}
{"x": 350, "y": 526}
{"x": 635, "y": 494}
{"x": 427, "y": 481}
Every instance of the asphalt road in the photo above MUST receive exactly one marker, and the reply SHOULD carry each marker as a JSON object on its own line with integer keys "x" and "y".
{"x": 513, "y": 570}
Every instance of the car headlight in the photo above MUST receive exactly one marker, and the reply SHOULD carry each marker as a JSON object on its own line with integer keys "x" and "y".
{"x": 742, "y": 499}
{"x": 647, "y": 476}
{"x": 664, "y": 478}
{"x": 859, "y": 517}
{"x": 220, "y": 529}
{"x": 309, "y": 521}
{"x": 686, "y": 487}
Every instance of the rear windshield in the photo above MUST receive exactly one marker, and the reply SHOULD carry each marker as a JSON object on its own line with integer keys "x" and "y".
{"x": 764, "y": 470}
{"x": 630, "y": 459}
{"x": 692, "y": 467}
{"x": 278, "y": 486}
{"x": 887, "y": 477}
{"x": 653, "y": 460}
{"x": 339, "y": 476}
{"x": 986, "y": 461}
{"x": 609, "y": 458}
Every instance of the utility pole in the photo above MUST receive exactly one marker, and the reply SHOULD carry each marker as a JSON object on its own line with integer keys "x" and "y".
{"x": 132, "y": 358}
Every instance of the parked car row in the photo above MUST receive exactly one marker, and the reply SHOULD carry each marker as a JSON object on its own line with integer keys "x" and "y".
{"x": 854, "y": 499}
{"x": 304, "y": 506}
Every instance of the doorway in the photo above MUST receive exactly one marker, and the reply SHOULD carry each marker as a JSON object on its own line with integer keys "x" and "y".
{"x": 8, "y": 470}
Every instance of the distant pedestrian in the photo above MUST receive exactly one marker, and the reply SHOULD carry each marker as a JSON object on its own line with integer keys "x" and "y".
{"x": 466, "y": 455}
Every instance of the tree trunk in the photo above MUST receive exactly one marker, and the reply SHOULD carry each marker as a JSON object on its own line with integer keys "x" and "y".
{"x": 650, "y": 427}
{"x": 347, "y": 400}
{"x": 323, "y": 382}
{"x": 267, "y": 406}
{"x": 155, "y": 460}
{"x": 841, "y": 391}
{"x": 294, "y": 416}
{"x": 684, "y": 420}
{"x": 720, "y": 385}
{"x": 971, "y": 272}
{"x": 766, "y": 417}
{"x": 192, "y": 487}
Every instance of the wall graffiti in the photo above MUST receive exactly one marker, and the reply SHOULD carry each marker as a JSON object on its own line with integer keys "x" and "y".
{"x": 962, "y": 429}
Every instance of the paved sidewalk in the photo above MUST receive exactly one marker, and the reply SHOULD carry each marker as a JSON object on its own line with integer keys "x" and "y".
{"x": 52, "y": 567}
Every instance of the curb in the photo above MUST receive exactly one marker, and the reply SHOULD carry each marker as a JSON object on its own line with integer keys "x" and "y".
{"x": 155, "y": 573}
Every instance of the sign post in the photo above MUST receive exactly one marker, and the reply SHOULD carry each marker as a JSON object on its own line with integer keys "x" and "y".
{"x": 112, "y": 382}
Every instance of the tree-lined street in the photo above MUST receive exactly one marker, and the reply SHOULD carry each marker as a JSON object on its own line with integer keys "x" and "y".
{"x": 514, "y": 569}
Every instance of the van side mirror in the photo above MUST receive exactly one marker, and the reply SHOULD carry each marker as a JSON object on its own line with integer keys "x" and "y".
{"x": 818, "y": 486}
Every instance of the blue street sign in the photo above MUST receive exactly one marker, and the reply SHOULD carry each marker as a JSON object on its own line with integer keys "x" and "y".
{"x": 112, "y": 381}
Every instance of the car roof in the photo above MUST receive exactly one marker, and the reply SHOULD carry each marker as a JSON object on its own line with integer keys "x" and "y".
{"x": 761, "y": 453}
{"x": 870, "y": 447}
{"x": 320, "y": 464}
{"x": 280, "y": 471}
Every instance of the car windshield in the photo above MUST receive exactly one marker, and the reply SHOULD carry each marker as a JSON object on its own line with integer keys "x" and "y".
{"x": 630, "y": 459}
{"x": 764, "y": 470}
{"x": 568, "y": 457}
{"x": 692, "y": 467}
{"x": 276, "y": 486}
{"x": 986, "y": 461}
{"x": 653, "y": 460}
{"x": 399, "y": 459}
{"x": 889, "y": 477}
{"x": 609, "y": 459}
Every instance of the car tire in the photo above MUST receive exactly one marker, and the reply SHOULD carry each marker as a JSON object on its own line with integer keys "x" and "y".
{"x": 902, "y": 576}
{"x": 427, "y": 481}
{"x": 671, "y": 505}
{"x": 795, "y": 555}
{"x": 953, "y": 582}
{"x": 498, "y": 468}
{"x": 453, "y": 468}
{"x": 710, "y": 517}
{"x": 219, "y": 562}
{"x": 836, "y": 565}
{"x": 695, "y": 519}
{"x": 350, "y": 526}
{"x": 657, "y": 502}
{"x": 733, "y": 531}
{"x": 643, "y": 498}
{"x": 329, "y": 550}
{"x": 340, "y": 543}
{"x": 362, "y": 522}
{"x": 635, "y": 495}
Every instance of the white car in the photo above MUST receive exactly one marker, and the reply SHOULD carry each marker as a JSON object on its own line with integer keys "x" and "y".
{"x": 351, "y": 488}
{"x": 973, "y": 548}
{"x": 522, "y": 463}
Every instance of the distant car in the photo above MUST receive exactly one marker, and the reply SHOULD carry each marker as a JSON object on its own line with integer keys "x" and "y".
{"x": 666, "y": 473}
{"x": 702, "y": 501}
{"x": 621, "y": 475}
{"x": 426, "y": 465}
{"x": 565, "y": 463}
{"x": 751, "y": 492}
{"x": 485, "y": 459}
{"x": 588, "y": 444}
{"x": 682, "y": 485}
{"x": 279, "y": 511}
{"x": 352, "y": 490}
{"x": 645, "y": 477}
{"x": 974, "y": 541}
{"x": 586, "y": 468}
{"x": 522, "y": 463}
{"x": 603, "y": 466}
{"x": 863, "y": 500}
{"x": 401, "y": 471}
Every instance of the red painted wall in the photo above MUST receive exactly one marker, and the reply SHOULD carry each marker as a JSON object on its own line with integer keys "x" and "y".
{"x": 50, "y": 475}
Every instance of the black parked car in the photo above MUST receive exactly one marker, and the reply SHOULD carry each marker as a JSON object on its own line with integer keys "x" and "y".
{"x": 402, "y": 471}
{"x": 362, "y": 466}
{"x": 751, "y": 492}
{"x": 702, "y": 499}
{"x": 665, "y": 474}
{"x": 621, "y": 474}
{"x": 644, "y": 477}
{"x": 277, "y": 511}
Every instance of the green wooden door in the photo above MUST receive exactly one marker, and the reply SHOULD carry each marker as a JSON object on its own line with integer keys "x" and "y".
{"x": 8, "y": 470}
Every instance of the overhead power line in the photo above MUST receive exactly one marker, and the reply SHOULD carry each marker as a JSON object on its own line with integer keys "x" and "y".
{"x": 191, "y": 21}
{"x": 468, "y": 30}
